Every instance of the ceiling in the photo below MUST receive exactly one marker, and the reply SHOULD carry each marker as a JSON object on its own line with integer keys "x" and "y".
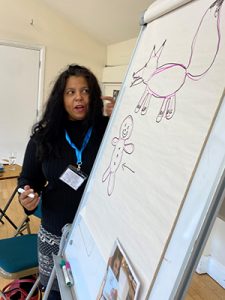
{"x": 107, "y": 21}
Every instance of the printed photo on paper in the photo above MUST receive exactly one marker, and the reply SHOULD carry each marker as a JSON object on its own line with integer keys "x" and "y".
{"x": 120, "y": 281}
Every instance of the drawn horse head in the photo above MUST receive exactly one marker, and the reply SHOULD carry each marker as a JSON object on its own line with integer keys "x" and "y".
{"x": 144, "y": 74}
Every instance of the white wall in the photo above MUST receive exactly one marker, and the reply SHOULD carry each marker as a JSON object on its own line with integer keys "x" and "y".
{"x": 120, "y": 53}
{"x": 217, "y": 241}
{"x": 64, "y": 43}
{"x": 118, "y": 58}
{"x": 212, "y": 261}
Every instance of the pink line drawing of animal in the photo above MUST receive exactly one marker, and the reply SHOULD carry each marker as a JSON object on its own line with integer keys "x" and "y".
{"x": 121, "y": 145}
{"x": 151, "y": 74}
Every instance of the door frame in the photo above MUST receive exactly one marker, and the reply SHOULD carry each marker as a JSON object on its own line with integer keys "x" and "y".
{"x": 41, "y": 50}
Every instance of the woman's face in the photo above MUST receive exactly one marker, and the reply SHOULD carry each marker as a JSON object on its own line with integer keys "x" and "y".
{"x": 76, "y": 98}
{"x": 116, "y": 266}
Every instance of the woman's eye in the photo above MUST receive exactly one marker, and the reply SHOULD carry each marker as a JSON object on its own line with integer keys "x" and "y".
{"x": 69, "y": 92}
{"x": 85, "y": 91}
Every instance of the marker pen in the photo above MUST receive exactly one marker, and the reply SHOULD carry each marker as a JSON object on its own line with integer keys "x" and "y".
{"x": 65, "y": 274}
{"x": 20, "y": 190}
{"x": 69, "y": 272}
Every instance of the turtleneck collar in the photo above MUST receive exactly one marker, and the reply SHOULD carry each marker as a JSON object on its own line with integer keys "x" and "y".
{"x": 76, "y": 131}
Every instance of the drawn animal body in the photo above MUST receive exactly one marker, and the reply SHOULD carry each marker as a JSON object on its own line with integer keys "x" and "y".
{"x": 151, "y": 74}
{"x": 121, "y": 145}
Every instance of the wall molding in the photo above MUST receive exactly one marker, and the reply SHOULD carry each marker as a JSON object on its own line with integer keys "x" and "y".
{"x": 213, "y": 268}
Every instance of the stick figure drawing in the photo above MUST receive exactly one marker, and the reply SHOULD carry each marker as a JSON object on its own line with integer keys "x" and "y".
{"x": 151, "y": 74}
{"x": 121, "y": 145}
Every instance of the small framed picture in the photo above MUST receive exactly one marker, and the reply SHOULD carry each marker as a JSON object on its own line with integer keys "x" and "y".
{"x": 115, "y": 94}
{"x": 111, "y": 89}
{"x": 120, "y": 282}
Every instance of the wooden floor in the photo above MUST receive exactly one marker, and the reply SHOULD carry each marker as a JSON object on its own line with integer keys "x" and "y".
{"x": 202, "y": 287}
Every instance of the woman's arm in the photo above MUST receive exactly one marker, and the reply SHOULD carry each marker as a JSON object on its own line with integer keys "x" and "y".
{"x": 31, "y": 179}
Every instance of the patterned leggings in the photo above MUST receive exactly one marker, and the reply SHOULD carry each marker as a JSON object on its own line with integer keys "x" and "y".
{"x": 48, "y": 244}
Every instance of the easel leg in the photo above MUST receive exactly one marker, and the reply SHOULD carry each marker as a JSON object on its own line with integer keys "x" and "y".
{"x": 33, "y": 289}
{"x": 50, "y": 283}
{"x": 3, "y": 296}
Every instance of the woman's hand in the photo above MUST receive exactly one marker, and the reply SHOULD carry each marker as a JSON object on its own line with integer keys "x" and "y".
{"x": 109, "y": 103}
{"x": 27, "y": 202}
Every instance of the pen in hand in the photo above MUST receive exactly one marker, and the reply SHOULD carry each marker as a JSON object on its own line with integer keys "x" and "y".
{"x": 20, "y": 190}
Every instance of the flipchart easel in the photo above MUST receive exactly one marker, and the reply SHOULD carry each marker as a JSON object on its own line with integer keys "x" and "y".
{"x": 163, "y": 198}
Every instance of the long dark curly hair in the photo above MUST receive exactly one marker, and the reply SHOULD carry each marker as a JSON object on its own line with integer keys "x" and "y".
{"x": 48, "y": 131}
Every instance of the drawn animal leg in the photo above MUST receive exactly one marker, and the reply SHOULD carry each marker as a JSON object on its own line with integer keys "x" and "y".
{"x": 141, "y": 101}
{"x": 146, "y": 104}
{"x": 171, "y": 107}
{"x": 111, "y": 183}
{"x": 162, "y": 110}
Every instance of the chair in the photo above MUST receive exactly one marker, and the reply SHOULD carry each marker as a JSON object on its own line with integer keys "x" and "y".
{"x": 19, "y": 255}
{"x": 3, "y": 211}
{"x": 24, "y": 225}
{"x": 19, "y": 258}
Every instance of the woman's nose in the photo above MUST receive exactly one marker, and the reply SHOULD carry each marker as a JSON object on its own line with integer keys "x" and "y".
{"x": 78, "y": 95}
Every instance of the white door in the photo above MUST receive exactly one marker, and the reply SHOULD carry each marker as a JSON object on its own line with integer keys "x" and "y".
{"x": 20, "y": 78}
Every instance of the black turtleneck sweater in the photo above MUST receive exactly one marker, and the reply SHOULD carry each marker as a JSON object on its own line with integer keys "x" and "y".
{"x": 60, "y": 201}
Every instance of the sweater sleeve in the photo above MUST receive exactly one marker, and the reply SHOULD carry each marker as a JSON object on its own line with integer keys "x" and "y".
{"x": 31, "y": 173}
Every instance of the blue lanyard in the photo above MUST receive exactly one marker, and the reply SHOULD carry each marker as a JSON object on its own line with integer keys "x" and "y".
{"x": 79, "y": 151}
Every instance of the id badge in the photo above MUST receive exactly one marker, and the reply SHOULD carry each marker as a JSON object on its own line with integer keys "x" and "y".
{"x": 73, "y": 177}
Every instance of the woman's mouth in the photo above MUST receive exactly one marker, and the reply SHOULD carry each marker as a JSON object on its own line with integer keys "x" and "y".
{"x": 79, "y": 108}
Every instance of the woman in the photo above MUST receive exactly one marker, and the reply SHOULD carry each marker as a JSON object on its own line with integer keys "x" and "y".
{"x": 69, "y": 133}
